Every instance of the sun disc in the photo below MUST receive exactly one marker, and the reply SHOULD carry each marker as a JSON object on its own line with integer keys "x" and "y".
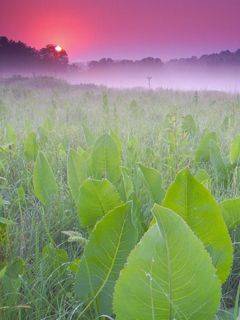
{"x": 58, "y": 48}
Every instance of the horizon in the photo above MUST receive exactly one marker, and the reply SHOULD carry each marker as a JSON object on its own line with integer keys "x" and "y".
{"x": 127, "y": 58}
{"x": 132, "y": 31}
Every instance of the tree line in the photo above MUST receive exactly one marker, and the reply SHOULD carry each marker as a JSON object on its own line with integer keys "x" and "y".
{"x": 16, "y": 55}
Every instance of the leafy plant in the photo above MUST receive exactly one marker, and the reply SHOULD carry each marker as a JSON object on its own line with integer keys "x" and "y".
{"x": 194, "y": 203}
{"x": 217, "y": 162}
{"x": 189, "y": 125}
{"x": 167, "y": 274}
{"x": 202, "y": 153}
{"x": 231, "y": 212}
{"x": 44, "y": 182}
{"x": 11, "y": 135}
{"x": 10, "y": 282}
{"x": 104, "y": 256}
{"x": 77, "y": 171}
{"x": 10, "y": 272}
{"x": 31, "y": 146}
{"x": 106, "y": 159}
{"x": 96, "y": 198}
{"x": 153, "y": 180}
{"x": 127, "y": 184}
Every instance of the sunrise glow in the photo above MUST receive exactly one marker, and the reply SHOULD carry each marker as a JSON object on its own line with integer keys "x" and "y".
{"x": 58, "y": 48}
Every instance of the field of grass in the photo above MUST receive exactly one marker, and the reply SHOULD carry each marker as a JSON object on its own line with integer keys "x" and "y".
{"x": 81, "y": 168}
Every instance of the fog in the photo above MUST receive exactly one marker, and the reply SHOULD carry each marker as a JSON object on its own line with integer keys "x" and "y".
{"x": 183, "y": 77}
{"x": 180, "y": 78}
{"x": 215, "y": 71}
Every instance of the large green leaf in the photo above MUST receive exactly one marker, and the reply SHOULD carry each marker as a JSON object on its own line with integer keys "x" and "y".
{"x": 192, "y": 201}
{"x": 31, "y": 146}
{"x": 77, "y": 171}
{"x": 168, "y": 276}
{"x": 10, "y": 135}
{"x": 127, "y": 183}
{"x": 189, "y": 125}
{"x": 96, "y": 198}
{"x": 44, "y": 182}
{"x": 153, "y": 181}
{"x": 54, "y": 261}
{"x": 203, "y": 150}
{"x": 231, "y": 212}
{"x": 106, "y": 159}
{"x": 106, "y": 252}
{"x": 217, "y": 161}
{"x": 15, "y": 268}
{"x": 10, "y": 283}
{"x": 117, "y": 140}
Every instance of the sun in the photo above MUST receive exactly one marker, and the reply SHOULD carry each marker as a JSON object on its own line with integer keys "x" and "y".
{"x": 58, "y": 48}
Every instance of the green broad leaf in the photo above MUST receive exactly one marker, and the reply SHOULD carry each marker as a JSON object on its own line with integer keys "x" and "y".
{"x": 127, "y": 183}
{"x": 15, "y": 268}
{"x": 75, "y": 265}
{"x": 54, "y": 260}
{"x": 105, "y": 254}
{"x": 96, "y": 198}
{"x": 189, "y": 125}
{"x": 195, "y": 204}
{"x": 153, "y": 181}
{"x": 44, "y": 182}
{"x": 231, "y": 212}
{"x": 117, "y": 140}
{"x": 204, "y": 178}
{"x": 31, "y": 147}
{"x": 217, "y": 161}
{"x": 106, "y": 159}
{"x": 228, "y": 122}
{"x": 10, "y": 135}
{"x": 168, "y": 276}
{"x": 77, "y": 171}
{"x": 235, "y": 150}
{"x": 10, "y": 282}
{"x": 203, "y": 150}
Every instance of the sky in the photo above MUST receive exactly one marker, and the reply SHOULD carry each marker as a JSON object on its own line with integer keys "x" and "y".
{"x": 93, "y": 29}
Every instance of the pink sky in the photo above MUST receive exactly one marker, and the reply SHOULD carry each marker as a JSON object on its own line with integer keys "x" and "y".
{"x": 92, "y": 29}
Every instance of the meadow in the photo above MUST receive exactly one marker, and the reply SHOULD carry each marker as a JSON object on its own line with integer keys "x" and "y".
{"x": 118, "y": 203}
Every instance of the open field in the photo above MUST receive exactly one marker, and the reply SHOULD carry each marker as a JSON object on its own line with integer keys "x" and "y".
{"x": 73, "y": 158}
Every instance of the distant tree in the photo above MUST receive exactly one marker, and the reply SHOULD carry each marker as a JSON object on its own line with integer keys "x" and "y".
{"x": 16, "y": 53}
{"x": 50, "y": 54}
{"x": 18, "y": 57}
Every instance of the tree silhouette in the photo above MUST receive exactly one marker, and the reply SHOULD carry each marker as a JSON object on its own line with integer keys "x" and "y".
{"x": 16, "y": 53}
{"x": 50, "y": 54}
{"x": 17, "y": 56}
